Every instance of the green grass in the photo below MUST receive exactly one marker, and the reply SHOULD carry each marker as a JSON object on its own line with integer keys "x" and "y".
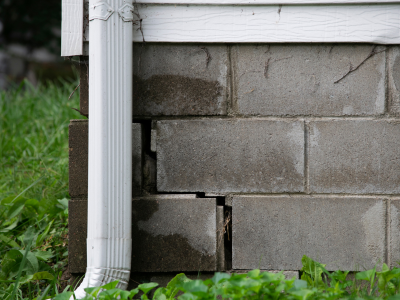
{"x": 34, "y": 187}
{"x": 34, "y": 221}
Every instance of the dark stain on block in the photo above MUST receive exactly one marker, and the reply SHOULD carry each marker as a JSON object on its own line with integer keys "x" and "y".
{"x": 77, "y": 223}
{"x": 161, "y": 248}
{"x": 78, "y": 158}
{"x": 175, "y": 95}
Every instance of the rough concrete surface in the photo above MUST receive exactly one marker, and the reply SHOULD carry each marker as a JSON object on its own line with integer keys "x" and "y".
{"x": 178, "y": 79}
{"x": 354, "y": 156}
{"x": 137, "y": 159}
{"x": 300, "y": 80}
{"x": 77, "y": 224}
{"x": 174, "y": 234}
{"x": 394, "y": 80}
{"x": 394, "y": 233}
{"x": 225, "y": 155}
{"x": 78, "y": 158}
{"x": 274, "y": 232}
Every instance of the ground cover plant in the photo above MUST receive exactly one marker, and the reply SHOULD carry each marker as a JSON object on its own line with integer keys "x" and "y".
{"x": 34, "y": 188}
{"x": 315, "y": 283}
{"x": 34, "y": 222}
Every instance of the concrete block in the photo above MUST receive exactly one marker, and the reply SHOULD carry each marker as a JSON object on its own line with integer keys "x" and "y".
{"x": 354, "y": 156}
{"x": 178, "y": 79}
{"x": 77, "y": 224}
{"x": 230, "y": 155}
{"x": 274, "y": 232}
{"x": 394, "y": 80}
{"x": 137, "y": 159}
{"x": 78, "y": 158}
{"x": 292, "y": 79}
{"x": 174, "y": 235}
{"x": 394, "y": 233}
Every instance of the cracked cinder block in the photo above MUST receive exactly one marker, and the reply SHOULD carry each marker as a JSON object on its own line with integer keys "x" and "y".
{"x": 354, "y": 156}
{"x": 78, "y": 158}
{"x": 230, "y": 155}
{"x": 277, "y": 80}
{"x": 174, "y": 234}
{"x": 77, "y": 234}
{"x": 180, "y": 79}
{"x": 274, "y": 232}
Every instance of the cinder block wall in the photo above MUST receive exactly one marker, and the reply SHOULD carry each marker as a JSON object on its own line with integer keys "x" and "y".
{"x": 296, "y": 144}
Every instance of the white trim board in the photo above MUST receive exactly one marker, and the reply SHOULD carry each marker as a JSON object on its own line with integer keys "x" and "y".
{"x": 72, "y": 27}
{"x": 270, "y": 24}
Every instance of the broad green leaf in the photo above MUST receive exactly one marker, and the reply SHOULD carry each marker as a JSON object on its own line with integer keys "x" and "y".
{"x": 11, "y": 226}
{"x": 196, "y": 287}
{"x": 33, "y": 264}
{"x": 11, "y": 262}
{"x": 64, "y": 203}
{"x": 29, "y": 235}
{"x": 43, "y": 255}
{"x": 110, "y": 286}
{"x": 16, "y": 209}
{"x": 253, "y": 273}
{"x": 63, "y": 296}
{"x": 218, "y": 276}
{"x": 365, "y": 275}
{"x": 147, "y": 287}
{"x": 187, "y": 296}
{"x": 42, "y": 275}
{"x": 314, "y": 270}
{"x": 9, "y": 241}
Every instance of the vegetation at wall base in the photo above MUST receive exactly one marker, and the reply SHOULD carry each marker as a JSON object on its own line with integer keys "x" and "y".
{"x": 34, "y": 188}
{"x": 34, "y": 222}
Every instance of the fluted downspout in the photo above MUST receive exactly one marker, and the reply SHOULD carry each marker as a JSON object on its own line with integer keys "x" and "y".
{"x": 109, "y": 241}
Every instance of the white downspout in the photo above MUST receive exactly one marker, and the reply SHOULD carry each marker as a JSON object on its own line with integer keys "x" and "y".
{"x": 109, "y": 240}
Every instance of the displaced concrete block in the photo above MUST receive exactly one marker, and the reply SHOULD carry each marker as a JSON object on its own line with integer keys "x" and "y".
{"x": 274, "y": 232}
{"x": 394, "y": 80}
{"x": 394, "y": 233}
{"x": 300, "y": 80}
{"x": 174, "y": 234}
{"x": 230, "y": 155}
{"x": 77, "y": 225}
{"x": 78, "y": 158}
{"x": 180, "y": 80}
{"x": 354, "y": 156}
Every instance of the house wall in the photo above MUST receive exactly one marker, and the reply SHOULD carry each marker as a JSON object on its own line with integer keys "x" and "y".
{"x": 294, "y": 146}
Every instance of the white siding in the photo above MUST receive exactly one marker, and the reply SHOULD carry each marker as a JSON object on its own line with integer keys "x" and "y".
{"x": 270, "y": 24}
{"x": 72, "y": 27}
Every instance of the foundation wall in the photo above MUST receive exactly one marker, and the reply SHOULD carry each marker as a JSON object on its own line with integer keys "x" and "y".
{"x": 252, "y": 155}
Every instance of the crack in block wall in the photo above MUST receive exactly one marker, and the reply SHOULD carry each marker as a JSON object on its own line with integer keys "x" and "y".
{"x": 287, "y": 149}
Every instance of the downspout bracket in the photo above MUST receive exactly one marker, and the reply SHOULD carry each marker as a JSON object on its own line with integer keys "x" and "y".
{"x": 126, "y": 12}
{"x": 101, "y": 10}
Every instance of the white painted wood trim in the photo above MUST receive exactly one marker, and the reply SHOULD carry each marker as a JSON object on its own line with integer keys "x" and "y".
{"x": 72, "y": 27}
{"x": 266, "y": 2}
{"x": 270, "y": 24}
